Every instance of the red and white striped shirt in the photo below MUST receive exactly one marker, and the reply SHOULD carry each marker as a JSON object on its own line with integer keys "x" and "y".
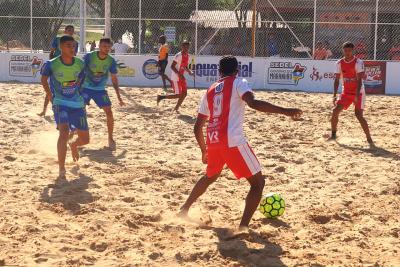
{"x": 224, "y": 106}
{"x": 348, "y": 71}
{"x": 182, "y": 62}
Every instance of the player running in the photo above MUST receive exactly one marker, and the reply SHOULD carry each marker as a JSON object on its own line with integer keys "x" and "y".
{"x": 55, "y": 52}
{"x": 98, "y": 66}
{"x": 66, "y": 74}
{"x": 351, "y": 69}
{"x": 224, "y": 106}
{"x": 179, "y": 66}
{"x": 163, "y": 60}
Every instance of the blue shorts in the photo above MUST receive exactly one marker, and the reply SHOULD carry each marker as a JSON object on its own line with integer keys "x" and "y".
{"x": 74, "y": 117}
{"x": 100, "y": 97}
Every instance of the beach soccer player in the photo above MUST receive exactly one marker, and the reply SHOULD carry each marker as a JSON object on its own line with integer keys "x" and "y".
{"x": 179, "y": 66}
{"x": 223, "y": 106}
{"x": 61, "y": 79}
{"x": 55, "y": 52}
{"x": 99, "y": 65}
{"x": 163, "y": 60}
{"x": 351, "y": 70}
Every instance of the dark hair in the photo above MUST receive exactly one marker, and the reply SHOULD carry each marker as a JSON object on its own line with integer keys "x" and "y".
{"x": 66, "y": 38}
{"x": 69, "y": 27}
{"x": 348, "y": 45}
{"x": 105, "y": 40}
{"x": 228, "y": 65}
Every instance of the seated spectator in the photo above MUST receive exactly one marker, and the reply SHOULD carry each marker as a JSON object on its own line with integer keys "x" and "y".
{"x": 320, "y": 52}
{"x": 272, "y": 46}
{"x": 329, "y": 53}
{"x": 120, "y": 47}
{"x": 394, "y": 52}
{"x": 361, "y": 49}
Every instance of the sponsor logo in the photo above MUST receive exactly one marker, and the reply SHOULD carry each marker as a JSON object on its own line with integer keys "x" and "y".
{"x": 373, "y": 76}
{"x": 124, "y": 70}
{"x": 24, "y": 65}
{"x": 210, "y": 71}
{"x": 150, "y": 69}
{"x": 285, "y": 73}
{"x": 316, "y": 75}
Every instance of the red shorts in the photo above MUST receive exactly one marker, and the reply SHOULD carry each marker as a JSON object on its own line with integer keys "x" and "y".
{"x": 241, "y": 160}
{"x": 179, "y": 86}
{"x": 347, "y": 99}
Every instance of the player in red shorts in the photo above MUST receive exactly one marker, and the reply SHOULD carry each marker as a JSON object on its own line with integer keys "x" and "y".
{"x": 180, "y": 64}
{"x": 351, "y": 69}
{"x": 224, "y": 106}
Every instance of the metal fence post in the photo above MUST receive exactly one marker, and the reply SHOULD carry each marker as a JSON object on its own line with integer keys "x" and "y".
{"x": 107, "y": 14}
{"x": 140, "y": 27}
{"x": 82, "y": 26}
{"x": 376, "y": 28}
{"x": 315, "y": 26}
{"x": 196, "y": 30}
{"x": 254, "y": 27}
{"x": 31, "y": 44}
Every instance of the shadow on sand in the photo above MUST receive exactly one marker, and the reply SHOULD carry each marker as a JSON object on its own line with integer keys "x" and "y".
{"x": 262, "y": 252}
{"x": 104, "y": 155}
{"x": 186, "y": 118}
{"x": 374, "y": 151}
{"x": 70, "y": 193}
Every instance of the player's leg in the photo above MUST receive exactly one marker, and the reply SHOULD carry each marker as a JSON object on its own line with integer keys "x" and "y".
{"x": 110, "y": 126}
{"x": 253, "y": 198}
{"x": 183, "y": 93}
{"x": 63, "y": 130}
{"x": 175, "y": 87}
{"x": 198, "y": 190}
{"x": 215, "y": 164}
{"x": 364, "y": 124}
{"x": 45, "y": 104}
{"x": 243, "y": 163}
{"x": 335, "y": 119}
{"x": 78, "y": 119}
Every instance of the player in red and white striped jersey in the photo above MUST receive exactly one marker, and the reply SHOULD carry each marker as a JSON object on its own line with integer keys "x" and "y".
{"x": 179, "y": 66}
{"x": 351, "y": 70}
{"x": 224, "y": 106}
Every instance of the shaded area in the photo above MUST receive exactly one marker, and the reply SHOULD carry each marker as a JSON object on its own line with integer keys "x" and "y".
{"x": 374, "y": 151}
{"x": 104, "y": 155}
{"x": 187, "y": 118}
{"x": 71, "y": 194}
{"x": 237, "y": 248}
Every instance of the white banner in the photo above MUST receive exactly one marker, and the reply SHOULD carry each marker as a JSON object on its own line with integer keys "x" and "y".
{"x": 262, "y": 73}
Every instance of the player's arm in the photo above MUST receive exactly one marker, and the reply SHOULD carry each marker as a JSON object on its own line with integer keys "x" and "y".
{"x": 114, "y": 80}
{"x": 45, "y": 83}
{"x": 336, "y": 86}
{"x": 198, "y": 132}
{"x": 264, "y": 106}
{"x": 191, "y": 73}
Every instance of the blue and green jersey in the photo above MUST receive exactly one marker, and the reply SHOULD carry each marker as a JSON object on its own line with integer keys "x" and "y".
{"x": 56, "y": 45}
{"x": 97, "y": 71}
{"x": 65, "y": 81}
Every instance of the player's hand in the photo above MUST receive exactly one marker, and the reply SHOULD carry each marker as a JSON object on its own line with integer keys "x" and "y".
{"x": 204, "y": 156}
{"x": 356, "y": 99}
{"x": 334, "y": 100}
{"x": 191, "y": 73}
{"x": 294, "y": 113}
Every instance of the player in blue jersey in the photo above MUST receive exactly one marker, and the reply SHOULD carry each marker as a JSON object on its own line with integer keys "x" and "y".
{"x": 61, "y": 79}
{"x": 55, "y": 52}
{"x": 99, "y": 65}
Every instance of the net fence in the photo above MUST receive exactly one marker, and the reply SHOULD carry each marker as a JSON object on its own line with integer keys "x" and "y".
{"x": 283, "y": 28}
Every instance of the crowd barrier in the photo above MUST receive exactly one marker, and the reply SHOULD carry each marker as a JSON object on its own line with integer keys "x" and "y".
{"x": 262, "y": 73}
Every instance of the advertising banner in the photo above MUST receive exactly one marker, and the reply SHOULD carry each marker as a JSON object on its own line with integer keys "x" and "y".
{"x": 375, "y": 77}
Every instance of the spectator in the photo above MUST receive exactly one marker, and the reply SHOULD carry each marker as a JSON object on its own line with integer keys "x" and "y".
{"x": 93, "y": 46}
{"x": 329, "y": 53}
{"x": 320, "y": 52}
{"x": 394, "y": 52}
{"x": 272, "y": 46}
{"x": 361, "y": 49}
{"x": 120, "y": 47}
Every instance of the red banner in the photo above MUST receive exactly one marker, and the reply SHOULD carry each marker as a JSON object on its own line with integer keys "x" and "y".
{"x": 375, "y": 77}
